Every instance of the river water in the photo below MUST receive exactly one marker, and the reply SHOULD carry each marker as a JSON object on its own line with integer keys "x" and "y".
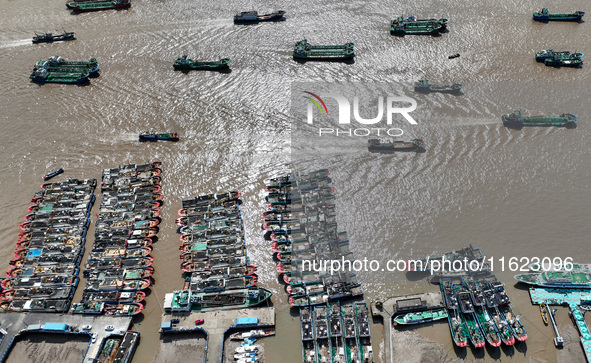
{"x": 509, "y": 192}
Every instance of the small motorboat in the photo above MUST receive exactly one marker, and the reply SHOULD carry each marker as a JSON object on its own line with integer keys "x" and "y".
{"x": 454, "y": 56}
{"x": 52, "y": 174}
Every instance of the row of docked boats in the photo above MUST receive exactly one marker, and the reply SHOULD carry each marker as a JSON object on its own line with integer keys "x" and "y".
{"x": 336, "y": 333}
{"x": 118, "y": 269}
{"x": 58, "y": 70}
{"x": 479, "y": 312}
{"x": 213, "y": 256}
{"x": 301, "y": 225}
{"x": 44, "y": 270}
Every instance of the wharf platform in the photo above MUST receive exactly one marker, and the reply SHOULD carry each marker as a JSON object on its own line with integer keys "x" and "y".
{"x": 16, "y": 324}
{"x": 216, "y": 326}
{"x": 390, "y": 307}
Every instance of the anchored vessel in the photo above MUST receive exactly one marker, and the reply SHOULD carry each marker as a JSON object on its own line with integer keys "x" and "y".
{"x": 545, "y": 15}
{"x": 305, "y": 51}
{"x": 155, "y": 136}
{"x": 412, "y": 21}
{"x": 58, "y": 64}
{"x": 184, "y": 63}
{"x": 424, "y": 86}
{"x": 398, "y": 145}
{"x": 99, "y": 5}
{"x": 542, "y": 55}
{"x": 516, "y": 119}
{"x": 564, "y": 59}
{"x": 42, "y": 75}
{"x": 424, "y": 27}
{"x": 49, "y": 37}
{"x": 52, "y": 174}
{"x": 250, "y": 17}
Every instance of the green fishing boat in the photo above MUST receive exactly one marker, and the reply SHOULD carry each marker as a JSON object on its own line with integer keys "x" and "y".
{"x": 516, "y": 119}
{"x": 57, "y": 62}
{"x": 557, "y": 279}
{"x": 564, "y": 59}
{"x": 488, "y": 326}
{"x": 421, "y": 317}
{"x": 545, "y": 15}
{"x": 411, "y": 20}
{"x": 99, "y": 5}
{"x": 42, "y": 75}
{"x": 415, "y": 29}
{"x": 184, "y": 63}
{"x": 305, "y": 51}
{"x": 185, "y": 300}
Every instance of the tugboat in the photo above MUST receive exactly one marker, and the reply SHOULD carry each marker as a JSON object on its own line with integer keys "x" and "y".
{"x": 101, "y": 5}
{"x": 305, "y": 51}
{"x": 184, "y": 63}
{"x": 545, "y": 15}
{"x": 49, "y": 37}
{"x": 421, "y": 317}
{"x": 391, "y": 145}
{"x": 41, "y": 75}
{"x": 424, "y": 86}
{"x": 155, "y": 136}
{"x": 52, "y": 174}
{"x": 564, "y": 60}
{"x": 542, "y": 55}
{"x": 515, "y": 119}
{"x": 252, "y": 17}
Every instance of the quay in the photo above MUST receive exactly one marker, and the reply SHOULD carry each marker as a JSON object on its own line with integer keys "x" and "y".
{"x": 15, "y": 325}
{"x": 388, "y": 308}
{"x": 217, "y": 325}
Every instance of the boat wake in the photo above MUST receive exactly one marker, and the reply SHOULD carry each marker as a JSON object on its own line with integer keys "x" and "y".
{"x": 15, "y": 43}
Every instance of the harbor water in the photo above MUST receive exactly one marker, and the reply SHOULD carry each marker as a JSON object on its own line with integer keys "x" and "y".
{"x": 513, "y": 193}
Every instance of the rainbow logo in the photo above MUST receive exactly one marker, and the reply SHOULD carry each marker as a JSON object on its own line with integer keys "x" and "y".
{"x": 316, "y": 102}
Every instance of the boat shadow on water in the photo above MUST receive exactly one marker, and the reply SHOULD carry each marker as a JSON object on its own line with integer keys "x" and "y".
{"x": 572, "y": 125}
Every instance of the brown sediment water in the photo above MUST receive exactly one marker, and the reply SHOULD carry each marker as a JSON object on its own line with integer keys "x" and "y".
{"x": 509, "y": 192}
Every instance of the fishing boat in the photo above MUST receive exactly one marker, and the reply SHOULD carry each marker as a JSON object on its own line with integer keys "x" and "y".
{"x": 258, "y": 333}
{"x": 123, "y": 309}
{"x": 184, "y": 63}
{"x": 419, "y": 22}
{"x": 544, "y": 313}
{"x": 542, "y": 55}
{"x": 50, "y": 37}
{"x": 155, "y": 136}
{"x": 251, "y": 17}
{"x": 545, "y": 15}
{"x": 304, "y": 51}
{"x": 516, "y": 119}
{"x": 387, "y": 144}
{"x": 41, "y": 75}
{"x": 421, "y": 317}
{"x": 99, "y": 5}
{"x": 52, "y": 174}
{"x": 488, "y": 326}
{"x": 231, "y": 299}
{"x": 468, "y": 316}
{"x": 514, "y": 323}
{"x": 424, "y": 86}
{"x": 87, "y": 307}
{"x": 57, "y": 63}
{"x": 557, "y": 279}
{"x": 564, "y": 60}
{"x": 403, "y": 29}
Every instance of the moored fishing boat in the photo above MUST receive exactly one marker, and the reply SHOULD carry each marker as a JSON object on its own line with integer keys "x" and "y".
{"x": 41, "y": 75}
{"x": 184, "y": 63}
{"x": 545, "y": 15}
{"x": 305, "y": 51}
{"x": 50, "y": 37}
{"x": 468, "y": 316}
{"x": 514, "y": 322}
{"x": 250, "y": 17}
{"x": 395, "y": 145}
{"x": 516, "y": 119}
{"x": 123, "y": 309}
{"x": 542, "y": 55}
{"x": 258, "y": 333}
{"x": 87, "y": 307}
{"x": 423, "y": 85}
{"x": 155, "y": 136}
{"x": 99, "y": 5}
{"x": 421, "y": 317}
{"x": 565, "y": 60}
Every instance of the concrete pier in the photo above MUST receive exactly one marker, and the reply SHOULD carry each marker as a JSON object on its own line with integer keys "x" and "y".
{"x": 388, "y": 308}
{"x": 215, "y": 325}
